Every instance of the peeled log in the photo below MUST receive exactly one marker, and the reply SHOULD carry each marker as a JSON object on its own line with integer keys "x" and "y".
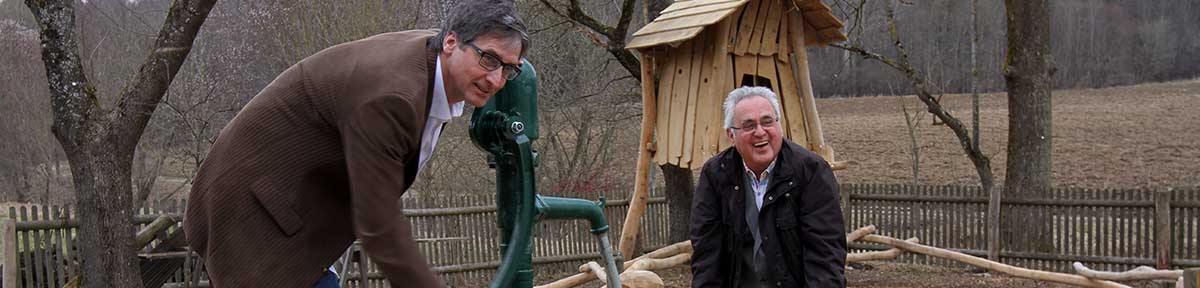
{"x": 859, "y": 233}
{"x": 640, "y": 279}
{"x": 993, "y": 266}
{"x": 1139, "y": 273}
{"x": 878, "y": 255}
{"x": 594, "y": 267}
{"x": 668, "y": 251}
{"x": 655, "y": 264}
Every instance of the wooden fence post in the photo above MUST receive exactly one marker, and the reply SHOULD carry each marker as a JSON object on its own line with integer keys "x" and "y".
{"x": 9, "y": 228}
{"x": 993, "y": 223}
{"x": 1162, "y": 228}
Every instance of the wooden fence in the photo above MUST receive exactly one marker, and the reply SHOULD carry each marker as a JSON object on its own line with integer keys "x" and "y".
{"x": 1104, "y": 228}
{"x": 457, "y": 234}
{"x": 1110, "y": 229}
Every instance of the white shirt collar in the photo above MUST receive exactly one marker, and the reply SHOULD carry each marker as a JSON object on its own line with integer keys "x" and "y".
{"x": 441, "y": 107}
{"x": 766, "y": 172}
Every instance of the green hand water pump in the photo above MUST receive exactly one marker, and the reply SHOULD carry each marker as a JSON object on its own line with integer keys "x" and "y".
{"x": 505, "y": 128}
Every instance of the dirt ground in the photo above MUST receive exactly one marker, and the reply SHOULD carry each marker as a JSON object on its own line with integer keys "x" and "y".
{"x": 893, "y": 275}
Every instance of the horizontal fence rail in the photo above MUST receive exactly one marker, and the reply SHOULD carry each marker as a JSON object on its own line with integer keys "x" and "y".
{"x": 1108, "y": 229}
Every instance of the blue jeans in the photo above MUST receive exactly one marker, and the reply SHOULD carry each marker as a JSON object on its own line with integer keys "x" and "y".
{"x": 328, "y": 280}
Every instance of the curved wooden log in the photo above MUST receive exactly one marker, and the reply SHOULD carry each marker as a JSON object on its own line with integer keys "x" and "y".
{"x": 1139, "y": 273}
{"x": 993, "y": 266}
{"x": 572, "y": 281}
{"x": 640, "y": 279}
{"x": 656, "y": 264}
{"x": 596, "y": 270}
{"x": 859, "y": 233}
{"x": 878, "y": 255}
{"x": 665, "y": 252}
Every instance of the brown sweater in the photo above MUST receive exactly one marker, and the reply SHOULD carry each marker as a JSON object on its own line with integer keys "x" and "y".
{"x": 320, "y": 156}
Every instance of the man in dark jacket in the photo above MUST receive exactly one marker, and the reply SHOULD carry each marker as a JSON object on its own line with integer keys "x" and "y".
{"x": 765, "y": 212}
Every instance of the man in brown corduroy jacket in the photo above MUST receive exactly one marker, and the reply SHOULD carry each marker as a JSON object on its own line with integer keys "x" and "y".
{"x": 322, "y": 155}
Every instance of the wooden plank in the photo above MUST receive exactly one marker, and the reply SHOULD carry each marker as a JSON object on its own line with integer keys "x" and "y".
{"x": 40, "y": 249}
{"x": 745, "y": 28}
{"x": 683, "y": 22}
{"x": 8, "y": 226}
{"x": 724, "y": 79}
{"x": 765, "y": 68}
{"x": 718, "y": 6}
{"x": 663, "y": 109}
{"x": 770, "y": 36}
{"x": 793, "y": 109}
{"x": 672, "y": 37}
{"x": 1162, "y": 229}
{"x": 679, "y": 92}
{"x": 689, "y": 126}
{"x": 69, "y": 245}
{"x": 696, "y": 4}
{"x": 760, "y": 22}
{"x": 760, "y": 25}
{"x": 58, "y": 264}
{"x": 704, "y": 106}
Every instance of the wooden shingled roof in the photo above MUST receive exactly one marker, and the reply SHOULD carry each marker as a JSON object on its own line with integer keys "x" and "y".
{"x": 686, "y": 18}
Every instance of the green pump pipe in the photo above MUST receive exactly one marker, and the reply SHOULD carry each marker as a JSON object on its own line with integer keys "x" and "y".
{"x": 517, "y": 264}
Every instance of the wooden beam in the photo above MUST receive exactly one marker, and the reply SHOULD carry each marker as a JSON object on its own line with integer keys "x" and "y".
{"x": 9, "y": 228}
{"x": 879, "y": 255}
{"x": 641, "y": 186}
{"x": 816, "y": 138}
{"x": 1139, "y": 273}
{"x": 1162, "y": 229}
{"x": 662, "y": 113}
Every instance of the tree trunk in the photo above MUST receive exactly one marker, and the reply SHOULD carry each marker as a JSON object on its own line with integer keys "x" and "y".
{"x": 104, "y": 193}
{"x": 679, "y": 201}
{"x": 99, "y": 141}
{"x": 1027, "y": 70}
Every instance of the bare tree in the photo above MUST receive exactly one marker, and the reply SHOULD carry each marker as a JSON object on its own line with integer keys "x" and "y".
{"x": 1028, "y": 71}
{"x": 612, "y": 38}
{"x": 100, "y": 139}
{"x": 920, "y": 85}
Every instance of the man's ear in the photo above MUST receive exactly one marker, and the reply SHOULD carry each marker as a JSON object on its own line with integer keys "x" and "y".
{"x": 729, "y": 133}
{"x": 450, "y": 42}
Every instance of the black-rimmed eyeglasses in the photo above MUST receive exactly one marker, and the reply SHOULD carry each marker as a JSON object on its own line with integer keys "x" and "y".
{"x": 491, "y": 62}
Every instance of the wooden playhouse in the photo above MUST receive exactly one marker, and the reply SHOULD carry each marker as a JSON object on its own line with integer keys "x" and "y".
{"x": 697, "y": 51}
{"x": 702, "y": 49}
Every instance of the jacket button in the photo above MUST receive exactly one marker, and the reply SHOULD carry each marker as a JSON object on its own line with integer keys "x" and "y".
{"x": 779, "y": 283}
{"x": 770, "y": 198}
{"x": 735, "y": 187}
{"x": 790, "y": 183}
{"x": 787, "y": 194}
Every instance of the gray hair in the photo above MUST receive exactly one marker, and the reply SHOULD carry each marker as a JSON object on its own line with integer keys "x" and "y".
{"x": 471, "y": 19}
{"x": 745, "y": 92}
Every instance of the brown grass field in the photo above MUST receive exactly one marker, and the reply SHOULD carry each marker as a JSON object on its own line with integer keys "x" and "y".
{"x": 1119, "y": 137}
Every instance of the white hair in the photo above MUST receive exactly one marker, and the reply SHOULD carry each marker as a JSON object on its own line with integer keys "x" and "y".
{"x": 745, "y": 92}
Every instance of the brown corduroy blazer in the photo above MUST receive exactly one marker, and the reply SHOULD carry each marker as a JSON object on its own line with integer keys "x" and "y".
{"x": 319, "y": 157}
